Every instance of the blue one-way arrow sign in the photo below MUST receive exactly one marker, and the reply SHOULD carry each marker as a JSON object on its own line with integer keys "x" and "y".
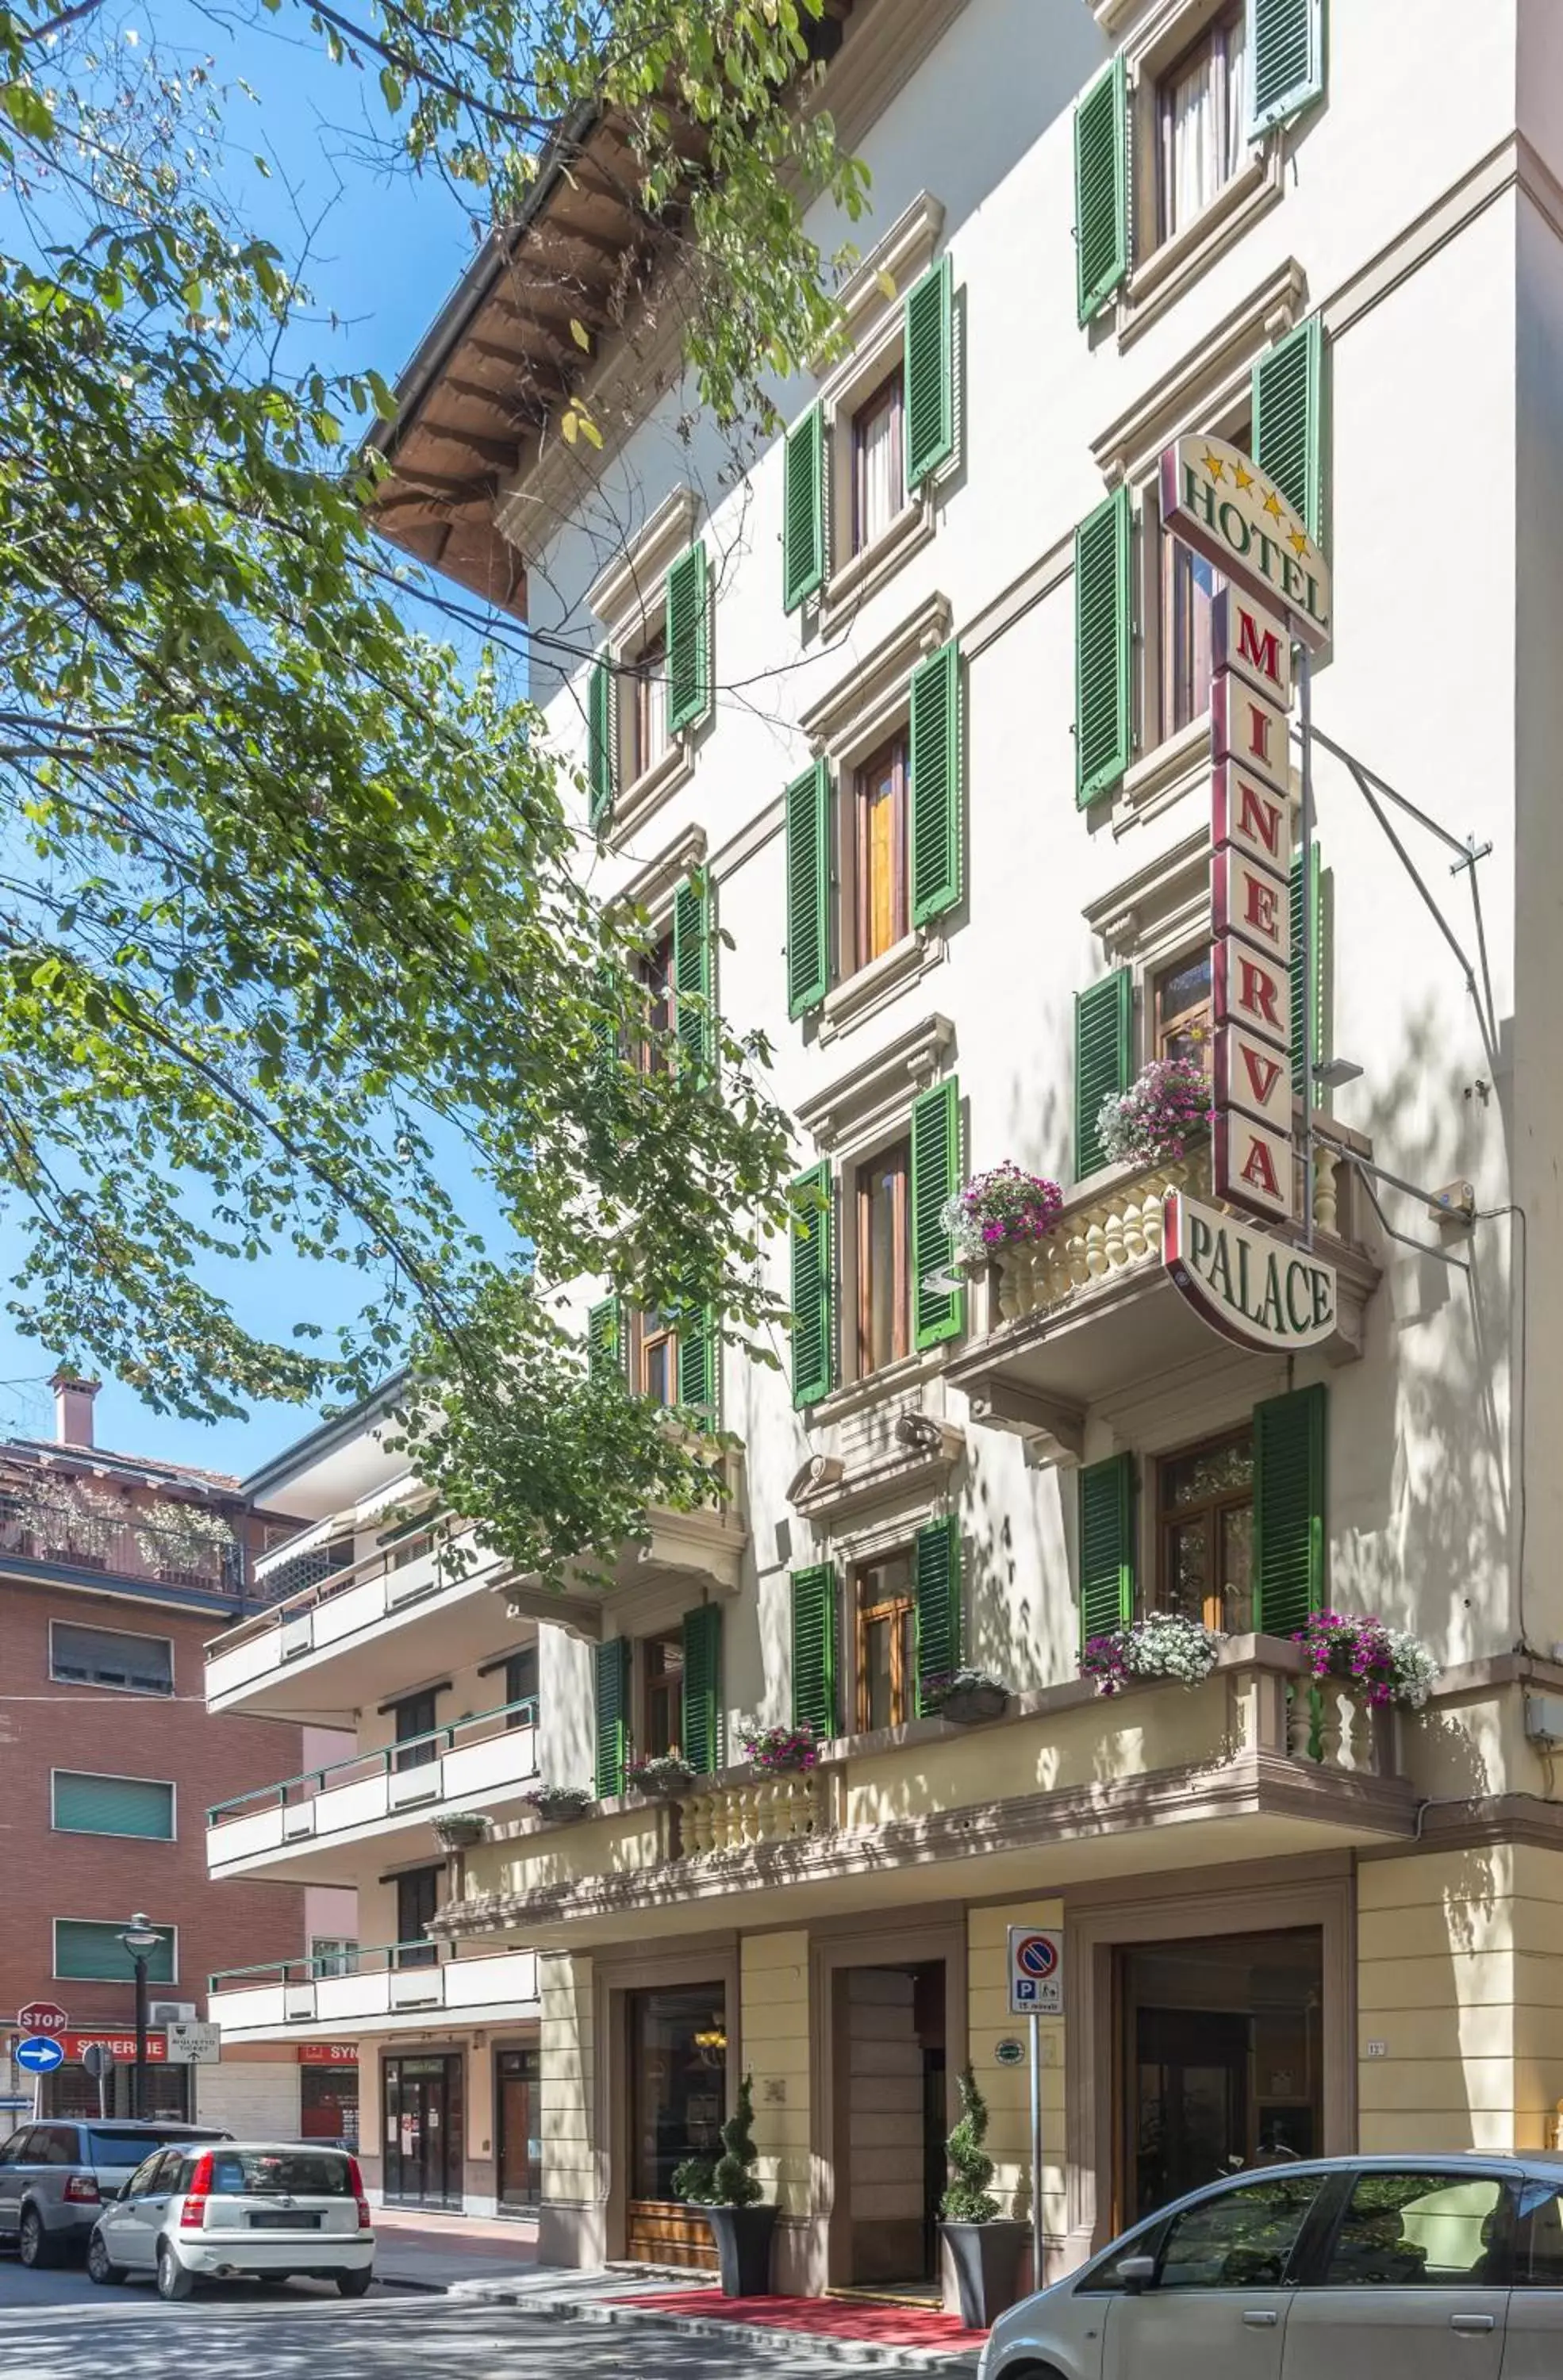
{"x": 38, "y": 2055}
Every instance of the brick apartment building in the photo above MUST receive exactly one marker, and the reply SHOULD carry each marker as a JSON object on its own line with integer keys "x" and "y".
{"x": 114, "y": 1572}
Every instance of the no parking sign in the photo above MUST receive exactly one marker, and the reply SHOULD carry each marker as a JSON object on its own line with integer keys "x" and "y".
{"x": 1035, "y": 1972}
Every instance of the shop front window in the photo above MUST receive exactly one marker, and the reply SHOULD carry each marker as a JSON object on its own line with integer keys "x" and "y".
{"x": 678, "y": 2082}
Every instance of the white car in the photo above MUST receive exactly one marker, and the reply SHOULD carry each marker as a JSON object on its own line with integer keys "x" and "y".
{"x": 1346, "y": 2268}
{"x": 239, "y": 2210}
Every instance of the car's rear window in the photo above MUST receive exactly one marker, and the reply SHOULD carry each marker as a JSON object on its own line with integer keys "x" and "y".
{"x": 275, "y": 2173}
{"x": 127, "y": 2148}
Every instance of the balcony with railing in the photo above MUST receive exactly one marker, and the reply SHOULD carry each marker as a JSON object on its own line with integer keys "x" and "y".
{"x": 1254, "y": 1759}
{"x": 43, "y": 1537}
{"x": 305, "y": 1824}
{"x": 420, "y": 1600}
{"x": 1091, "y": 1310}
{"x": 382, "y": 1988}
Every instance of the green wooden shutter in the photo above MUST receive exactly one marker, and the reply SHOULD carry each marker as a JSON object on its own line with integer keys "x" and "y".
{"x": 1288, "y": 1509}
{"x": 1102, "y": 188}
{"x": 1285, "y": 65}
{"x": 803, "y": 502}
{"x": 1103, "y": 647}
{"x": 813, "y": 1329}
{"x": 1313, "y": 991}
{"x": 697, "y": 1360}
{"x": 86, "y": 1804}
{"x": 814, "y": 1648}
{"x": 601, "y": 739}
{"x": 937, "y": 1587}
{"x": 1107, "y": 1547}
{"x": 809, "y": 889}
{"x": 1104, "y": 1032}
{"x": 935, "y": 802}
{"x": 607, "y": 1351}
{"x": 613, "y": 1671}
{"x": 687, "y": 623}
{"x": 930, "y": 373}
{"x": 936, "y": 1314}
{"x": 704, "y": 1732}
{"x": 692, "y": 968}
{"x": 1289, "y": 410}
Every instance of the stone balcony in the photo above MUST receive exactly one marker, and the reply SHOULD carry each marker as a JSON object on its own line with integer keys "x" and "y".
{"x": 1091, "y": 1310}
{"x": 1250, "y": 1763}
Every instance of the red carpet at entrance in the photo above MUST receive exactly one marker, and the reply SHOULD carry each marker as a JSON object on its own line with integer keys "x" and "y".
{"x": 821, "y": 2318}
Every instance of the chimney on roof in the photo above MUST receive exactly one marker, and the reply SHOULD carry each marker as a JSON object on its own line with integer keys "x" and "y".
{"x": 73, "y": 1409}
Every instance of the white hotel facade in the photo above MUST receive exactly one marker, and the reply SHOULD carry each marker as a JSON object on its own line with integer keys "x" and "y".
{"x": 932, "y": 748}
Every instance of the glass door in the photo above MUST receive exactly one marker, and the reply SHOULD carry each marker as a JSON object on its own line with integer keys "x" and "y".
{"x": 520, "y": 2148}
{"x": 423, "y": 2132}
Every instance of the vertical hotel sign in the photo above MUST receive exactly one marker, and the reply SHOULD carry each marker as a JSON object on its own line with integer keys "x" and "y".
{"x": 1278, "y": 587}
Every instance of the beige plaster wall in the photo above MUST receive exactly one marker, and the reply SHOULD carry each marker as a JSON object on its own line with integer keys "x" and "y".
{"x": 775, "y": 2021}
{"x": 1007, "y": 2089}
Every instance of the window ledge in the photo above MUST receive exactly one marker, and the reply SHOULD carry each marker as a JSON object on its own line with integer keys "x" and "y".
{"x": 1157, "y": 284}
{"x": 879, "y": 1090}
{"x": 850, "y": 587}
{"x": 650, "y": 790}
{"x": 883, "y": 979}
{"x": 879, "y": 1388}
{"x": 1178, "y": 764}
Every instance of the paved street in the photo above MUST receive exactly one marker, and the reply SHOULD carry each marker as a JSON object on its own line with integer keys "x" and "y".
{"x": 56, "y": 2326}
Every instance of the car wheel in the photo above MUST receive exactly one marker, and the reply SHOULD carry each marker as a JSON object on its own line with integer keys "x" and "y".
{"x": 172, "y": 2281}
{"x": 101, "y": 2267}
{"x": 356, "y": 2284}
{"x": 35, "y": 2246}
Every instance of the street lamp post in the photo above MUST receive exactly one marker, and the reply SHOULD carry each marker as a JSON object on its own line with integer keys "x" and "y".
{"x": 141, "y": 1939}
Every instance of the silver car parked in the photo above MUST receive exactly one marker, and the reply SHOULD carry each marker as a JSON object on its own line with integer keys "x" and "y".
{"x": 243, "y": 2211}
{"x": 56, "y": 2179}
{"x": 1346, "y": 2268}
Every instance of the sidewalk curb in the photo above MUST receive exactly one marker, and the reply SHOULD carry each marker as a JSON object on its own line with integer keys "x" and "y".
{"x": 739, "y": 2334}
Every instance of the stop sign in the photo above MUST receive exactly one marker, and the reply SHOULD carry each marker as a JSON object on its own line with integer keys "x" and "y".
{"x": 42, "y": 2016}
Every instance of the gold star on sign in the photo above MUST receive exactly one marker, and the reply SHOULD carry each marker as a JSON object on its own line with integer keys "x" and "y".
{"x": 1297, "y": 542}
{"x": 1273, "y": 505}
{"x": 1214, "y": 464}
{"x": 1244, "y": 478}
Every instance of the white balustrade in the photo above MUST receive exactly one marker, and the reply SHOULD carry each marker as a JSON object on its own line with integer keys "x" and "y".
{"x": 1334, "y": 1728}
{"x": 781, "y": 1809}
{"x": 1095, "y": 1238}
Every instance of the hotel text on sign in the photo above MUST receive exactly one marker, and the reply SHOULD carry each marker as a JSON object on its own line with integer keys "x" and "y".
{"x": 1243, "y": 1283}
{"x": 1216, "y": 500}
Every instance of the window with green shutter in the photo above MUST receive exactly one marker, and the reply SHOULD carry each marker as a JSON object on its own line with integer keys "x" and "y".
{"x": 936, "y": 788}
{"x": 1102, "y": 188}
{"x": 89, "y": 1804}
{"x": 809, "y": 889}
{"x": 607, "y": 1351}
{"x": 936, "y": 1314}
{"x": 1288, "y": 398}
{"x": 1285, "y": 50}
{"x": 937, "y": 1588}
{"x": 613, "y": 1673}
{"x": 814, "y": 1325}
{"x": 1106, "y": 1546}
{"x": 1103, "y": 647}
{"x": 1103, "y": 1033}
{"x": 601, "y": 737}
{"x": 704, "y": 1718}
{"x": 693, "y": 991}
{"x": 930, "y": 373}
{"x": 1311, "y": 994}
{"x": 803, "y": 505}
{"x": 698, "y": 1362}
{"x": 89, "y": 1951}
{"x": 686, "y": 612}
{"x": 1288, "y": 1509}
{"x": 815, "y": 1626}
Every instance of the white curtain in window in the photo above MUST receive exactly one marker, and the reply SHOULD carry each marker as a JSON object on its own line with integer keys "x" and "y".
{"x": 879, "y": 470}
{"x": 1203, "y": 125}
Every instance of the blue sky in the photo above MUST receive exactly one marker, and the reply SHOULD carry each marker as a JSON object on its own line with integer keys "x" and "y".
{"x": 385, "y": 250}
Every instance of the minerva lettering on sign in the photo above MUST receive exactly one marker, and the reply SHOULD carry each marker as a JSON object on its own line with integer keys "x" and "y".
{"x": 1250, "y": 1287}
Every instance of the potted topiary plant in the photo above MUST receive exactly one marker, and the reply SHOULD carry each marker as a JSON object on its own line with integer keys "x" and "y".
{"x": 729, "y": 2190}
{"x": 984, "y": 2248}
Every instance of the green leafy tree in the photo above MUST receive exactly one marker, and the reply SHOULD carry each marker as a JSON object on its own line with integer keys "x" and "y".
{"x": 294, "y": 952}
{"x": 968, "y": 2198}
